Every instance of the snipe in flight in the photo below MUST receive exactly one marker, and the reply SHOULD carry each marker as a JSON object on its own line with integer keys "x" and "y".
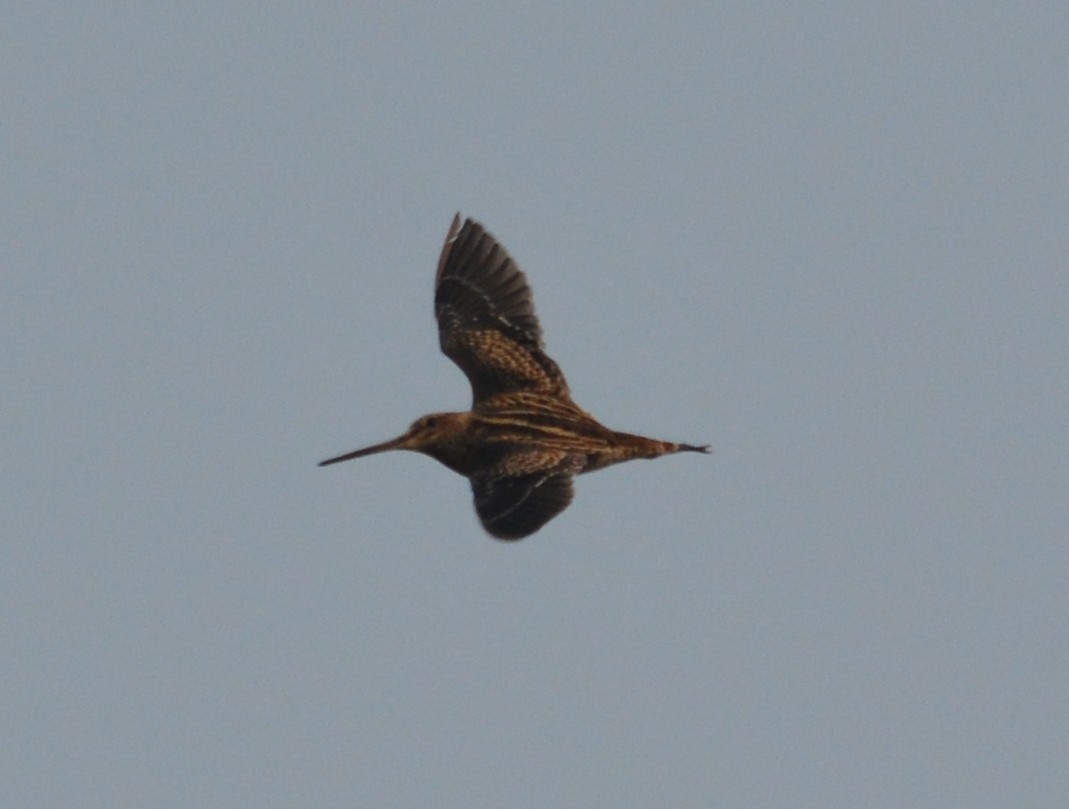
{"x": 524, "y": 439}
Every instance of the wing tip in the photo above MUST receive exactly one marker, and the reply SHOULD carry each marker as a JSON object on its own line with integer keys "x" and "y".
{"x": 450, "y": 240}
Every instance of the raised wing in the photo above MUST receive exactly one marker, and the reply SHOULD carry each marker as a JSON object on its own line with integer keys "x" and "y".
{"x": 486, "y": 319}
{"x": 515, "y": 507}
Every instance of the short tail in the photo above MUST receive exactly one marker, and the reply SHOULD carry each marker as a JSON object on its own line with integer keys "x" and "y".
{"x": 692, "y": 448}
{"x": 640, "y": 447}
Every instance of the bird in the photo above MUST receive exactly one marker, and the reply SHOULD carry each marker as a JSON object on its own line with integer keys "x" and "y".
{"x": 524, "y": 439}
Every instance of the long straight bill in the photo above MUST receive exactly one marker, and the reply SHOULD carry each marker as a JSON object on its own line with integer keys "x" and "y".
{"x": 385, "y": 446}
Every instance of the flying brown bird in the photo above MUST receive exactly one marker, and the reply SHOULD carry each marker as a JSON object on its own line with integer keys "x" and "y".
{"x": 524, "y": 439}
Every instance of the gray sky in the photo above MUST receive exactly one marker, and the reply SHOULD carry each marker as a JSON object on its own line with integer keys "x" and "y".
{"x": 830, "y": 239}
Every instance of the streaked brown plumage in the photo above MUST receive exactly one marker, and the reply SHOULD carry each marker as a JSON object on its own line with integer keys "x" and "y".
{"x": 524, "y": 439}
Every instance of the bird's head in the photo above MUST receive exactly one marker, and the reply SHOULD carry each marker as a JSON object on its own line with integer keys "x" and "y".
{"x": 430, "y": 434}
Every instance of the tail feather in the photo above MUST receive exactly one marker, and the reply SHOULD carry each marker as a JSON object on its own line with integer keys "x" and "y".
{"x": 641, "y": 447}
{"x": 692, "y": 448}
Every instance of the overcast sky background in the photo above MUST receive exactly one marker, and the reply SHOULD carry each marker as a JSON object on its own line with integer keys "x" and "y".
{"x": 830, "y": 239}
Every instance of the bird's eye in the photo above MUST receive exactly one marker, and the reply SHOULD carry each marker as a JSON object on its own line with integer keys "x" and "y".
{"x": 430, "y": 422}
